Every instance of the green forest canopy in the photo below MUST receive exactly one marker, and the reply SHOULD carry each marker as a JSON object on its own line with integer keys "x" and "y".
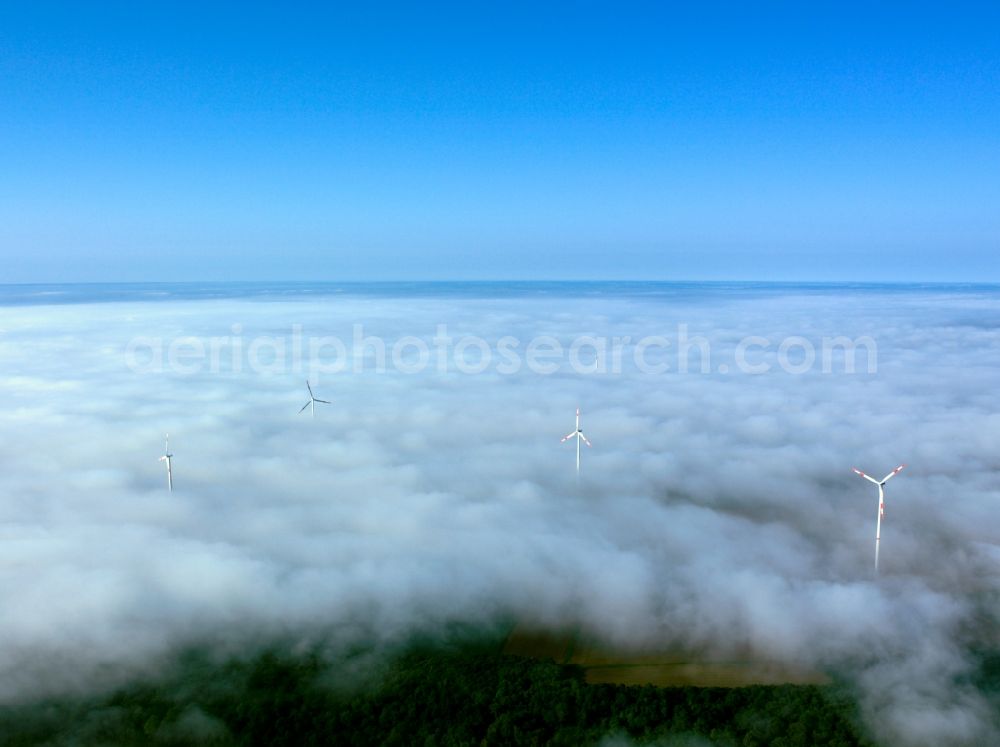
{"x": 472, "y": 695}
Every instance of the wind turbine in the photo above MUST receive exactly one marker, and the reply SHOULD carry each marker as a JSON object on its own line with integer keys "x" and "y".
{"x": 881, "y": 503}
{"x": 312, "y": 401}
{"x": 579, "y": 437}
{"x": 167, "y": 456}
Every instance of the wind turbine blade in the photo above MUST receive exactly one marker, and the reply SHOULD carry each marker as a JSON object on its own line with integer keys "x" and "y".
{"x": 893, "y": 473}
{"x": 309, "y": 388}
{"x": 867, "y": 477}
{"x": 567, "y": 437}
{"x": 325, "y": 402}
{"x": 305, "y": 406}
{"x": 584, "y": 439}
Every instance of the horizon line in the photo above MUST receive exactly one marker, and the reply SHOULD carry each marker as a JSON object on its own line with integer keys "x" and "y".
{"x": 482, "y": 281}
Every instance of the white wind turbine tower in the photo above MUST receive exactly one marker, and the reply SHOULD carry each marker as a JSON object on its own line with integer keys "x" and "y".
{"x": 312, "y": 401}
{"x": 579, "y": 437}
{"x": 881, "y": 503}
{"x": 167, "y": 456}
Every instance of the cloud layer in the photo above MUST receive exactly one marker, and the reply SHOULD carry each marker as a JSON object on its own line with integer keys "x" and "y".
{"x": 715, "y": 511}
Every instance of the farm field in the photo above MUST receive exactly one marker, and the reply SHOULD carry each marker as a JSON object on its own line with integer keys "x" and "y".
{"x": 668, "y": 668}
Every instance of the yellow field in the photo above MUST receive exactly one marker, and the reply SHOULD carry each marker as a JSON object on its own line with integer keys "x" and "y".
{"x": 660, "y": 668}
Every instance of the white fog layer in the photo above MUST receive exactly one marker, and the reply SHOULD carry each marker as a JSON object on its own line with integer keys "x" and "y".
{"x": 715, "y": 511}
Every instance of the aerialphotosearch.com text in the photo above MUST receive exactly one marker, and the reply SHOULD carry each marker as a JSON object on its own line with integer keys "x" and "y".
{"x": 682, "y": 352}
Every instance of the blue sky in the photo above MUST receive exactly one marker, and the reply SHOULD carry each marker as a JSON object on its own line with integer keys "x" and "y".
{"x": 583, "y": 140}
